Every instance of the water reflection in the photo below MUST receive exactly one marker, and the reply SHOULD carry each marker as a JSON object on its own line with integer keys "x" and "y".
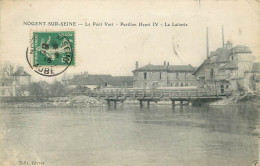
{"x": 130, "y": 135}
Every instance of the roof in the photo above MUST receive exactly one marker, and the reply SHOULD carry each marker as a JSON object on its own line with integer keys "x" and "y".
{"x": 241, "y": 49}
{"x": 221, "y": 54}
{"x": 122, "y": 80}
{"x": 230, "y": 65}
{"x": 90, "y": 79}
{"x": 171, "y": 68}
{"x": 20, "y": 73}
{"x": 101, "y": 80}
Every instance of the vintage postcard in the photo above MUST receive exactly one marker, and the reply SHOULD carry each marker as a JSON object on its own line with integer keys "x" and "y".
{"x": 129, "y": 83}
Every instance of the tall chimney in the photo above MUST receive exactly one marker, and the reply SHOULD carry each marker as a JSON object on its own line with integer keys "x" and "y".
{"x": 136, "y": 65}
{"x": 207, "y": 40}
{"x": 223, "y": 42}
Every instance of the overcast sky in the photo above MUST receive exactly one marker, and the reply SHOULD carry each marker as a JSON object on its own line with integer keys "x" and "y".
{"x": 114, "y": 50}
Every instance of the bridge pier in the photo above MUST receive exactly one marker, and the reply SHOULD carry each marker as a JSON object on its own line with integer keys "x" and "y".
{"x": 173, "y": 103}
{"x": 181, "y": 103}
{"x": 115, "y": 104}
{"x": 148, "y": 104}
{"x": 141, "y": 104}
{"x": 108, "y": 103}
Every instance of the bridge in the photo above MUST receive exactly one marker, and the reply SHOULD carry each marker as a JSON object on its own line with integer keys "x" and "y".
{"x": 116, "y": 95}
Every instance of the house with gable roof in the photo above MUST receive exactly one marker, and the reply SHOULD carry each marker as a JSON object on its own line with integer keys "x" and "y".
{"x": 16, "y": 84}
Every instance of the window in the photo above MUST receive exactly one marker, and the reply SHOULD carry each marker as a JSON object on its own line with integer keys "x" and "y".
{"x": 186, "y": 84}
{"x": 160, "y": 75}
{"x": 211, "y": 72}
{"x": 222, "y": 88}
{"x": 181, "y": 84}
{"x": 177, "y": 75}
{"x": 232, "y": 58}
{"x": 145, "y": 75}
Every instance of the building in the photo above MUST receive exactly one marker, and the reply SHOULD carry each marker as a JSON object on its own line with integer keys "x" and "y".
{"x": 225, "y": 69}
{"x": 93, "y": 81}
{"x": 16, "y": 84}
{"x": 166, "y": 75}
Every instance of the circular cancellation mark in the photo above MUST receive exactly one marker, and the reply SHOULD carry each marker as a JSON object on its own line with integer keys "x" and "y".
{"x": 51, "y": 53}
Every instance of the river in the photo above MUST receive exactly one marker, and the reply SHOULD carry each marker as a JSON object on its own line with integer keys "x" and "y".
{"x": 129, "y": 136}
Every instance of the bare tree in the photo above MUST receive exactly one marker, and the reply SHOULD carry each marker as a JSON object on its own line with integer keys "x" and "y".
{"x": 6, "y": 71}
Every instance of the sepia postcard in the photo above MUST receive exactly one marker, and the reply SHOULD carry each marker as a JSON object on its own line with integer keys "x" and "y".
{"x": 129, "y": 83}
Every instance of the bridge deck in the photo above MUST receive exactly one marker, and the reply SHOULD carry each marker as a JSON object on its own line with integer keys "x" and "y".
{"x": 151, "y": 94}
{"x": 148, "y": 95}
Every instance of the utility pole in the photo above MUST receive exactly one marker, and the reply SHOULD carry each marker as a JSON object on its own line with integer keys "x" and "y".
{"x": 223, "y": 41}
{"x": 207, "y": 42}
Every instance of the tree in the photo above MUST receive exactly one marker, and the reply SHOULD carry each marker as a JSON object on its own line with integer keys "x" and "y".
{"x": 57, "y": 89}
{"x": 6, "y": 71}
{"x": 35, "y": 90}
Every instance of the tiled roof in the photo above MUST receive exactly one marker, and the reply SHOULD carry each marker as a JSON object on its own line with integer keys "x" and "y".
{"x": 122, "y": 80}
{"x": 101, "y": 80}
{"x": 90, "y": 80}
{"x": 241, "y": 49}
{"x": 230, "y": 65}
{"x": 174, "y": 68}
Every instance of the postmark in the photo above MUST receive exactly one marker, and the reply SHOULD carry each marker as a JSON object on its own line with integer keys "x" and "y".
{"x": 51, "y": 52}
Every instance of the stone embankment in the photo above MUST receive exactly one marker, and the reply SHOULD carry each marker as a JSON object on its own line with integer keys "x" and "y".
{"x": 76, "y": 101}
{"x": 250, "y": 98}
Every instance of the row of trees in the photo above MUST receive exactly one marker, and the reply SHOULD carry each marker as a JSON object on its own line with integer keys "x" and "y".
{"x": 45, "y": 89}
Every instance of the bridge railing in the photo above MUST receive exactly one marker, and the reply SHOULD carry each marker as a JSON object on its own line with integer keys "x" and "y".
{"x": 151, "y": 93}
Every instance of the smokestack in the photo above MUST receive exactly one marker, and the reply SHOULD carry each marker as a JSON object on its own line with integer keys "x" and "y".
{"x": 223, "y": 43}
{"x": 207, "y": 40}
{"x": 136, "y": 65}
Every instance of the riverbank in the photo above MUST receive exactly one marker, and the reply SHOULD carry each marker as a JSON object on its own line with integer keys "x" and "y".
{"x": 239, "y": 99}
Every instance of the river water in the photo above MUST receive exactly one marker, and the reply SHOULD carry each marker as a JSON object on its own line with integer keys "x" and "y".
{"x": 129, "y": 136}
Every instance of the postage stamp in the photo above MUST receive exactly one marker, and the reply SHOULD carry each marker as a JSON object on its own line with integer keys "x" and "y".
{"x": 51, "y": 52}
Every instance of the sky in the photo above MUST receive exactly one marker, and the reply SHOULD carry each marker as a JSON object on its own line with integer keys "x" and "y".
{"x": 114, "y": 50}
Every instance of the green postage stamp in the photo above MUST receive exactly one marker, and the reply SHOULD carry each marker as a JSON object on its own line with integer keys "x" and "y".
{"x": 53, "y": 48}
{"x": 51, "y": 52}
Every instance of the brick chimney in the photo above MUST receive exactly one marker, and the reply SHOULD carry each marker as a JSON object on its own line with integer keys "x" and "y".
{"x": 136, "y": 65}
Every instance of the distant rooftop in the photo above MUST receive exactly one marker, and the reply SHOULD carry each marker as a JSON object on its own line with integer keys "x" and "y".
{"x": 241, "y": 49}
{"x": 20, "y": 72}
{"x": 90, "y": 79}
{"x": 171, "y": 68}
